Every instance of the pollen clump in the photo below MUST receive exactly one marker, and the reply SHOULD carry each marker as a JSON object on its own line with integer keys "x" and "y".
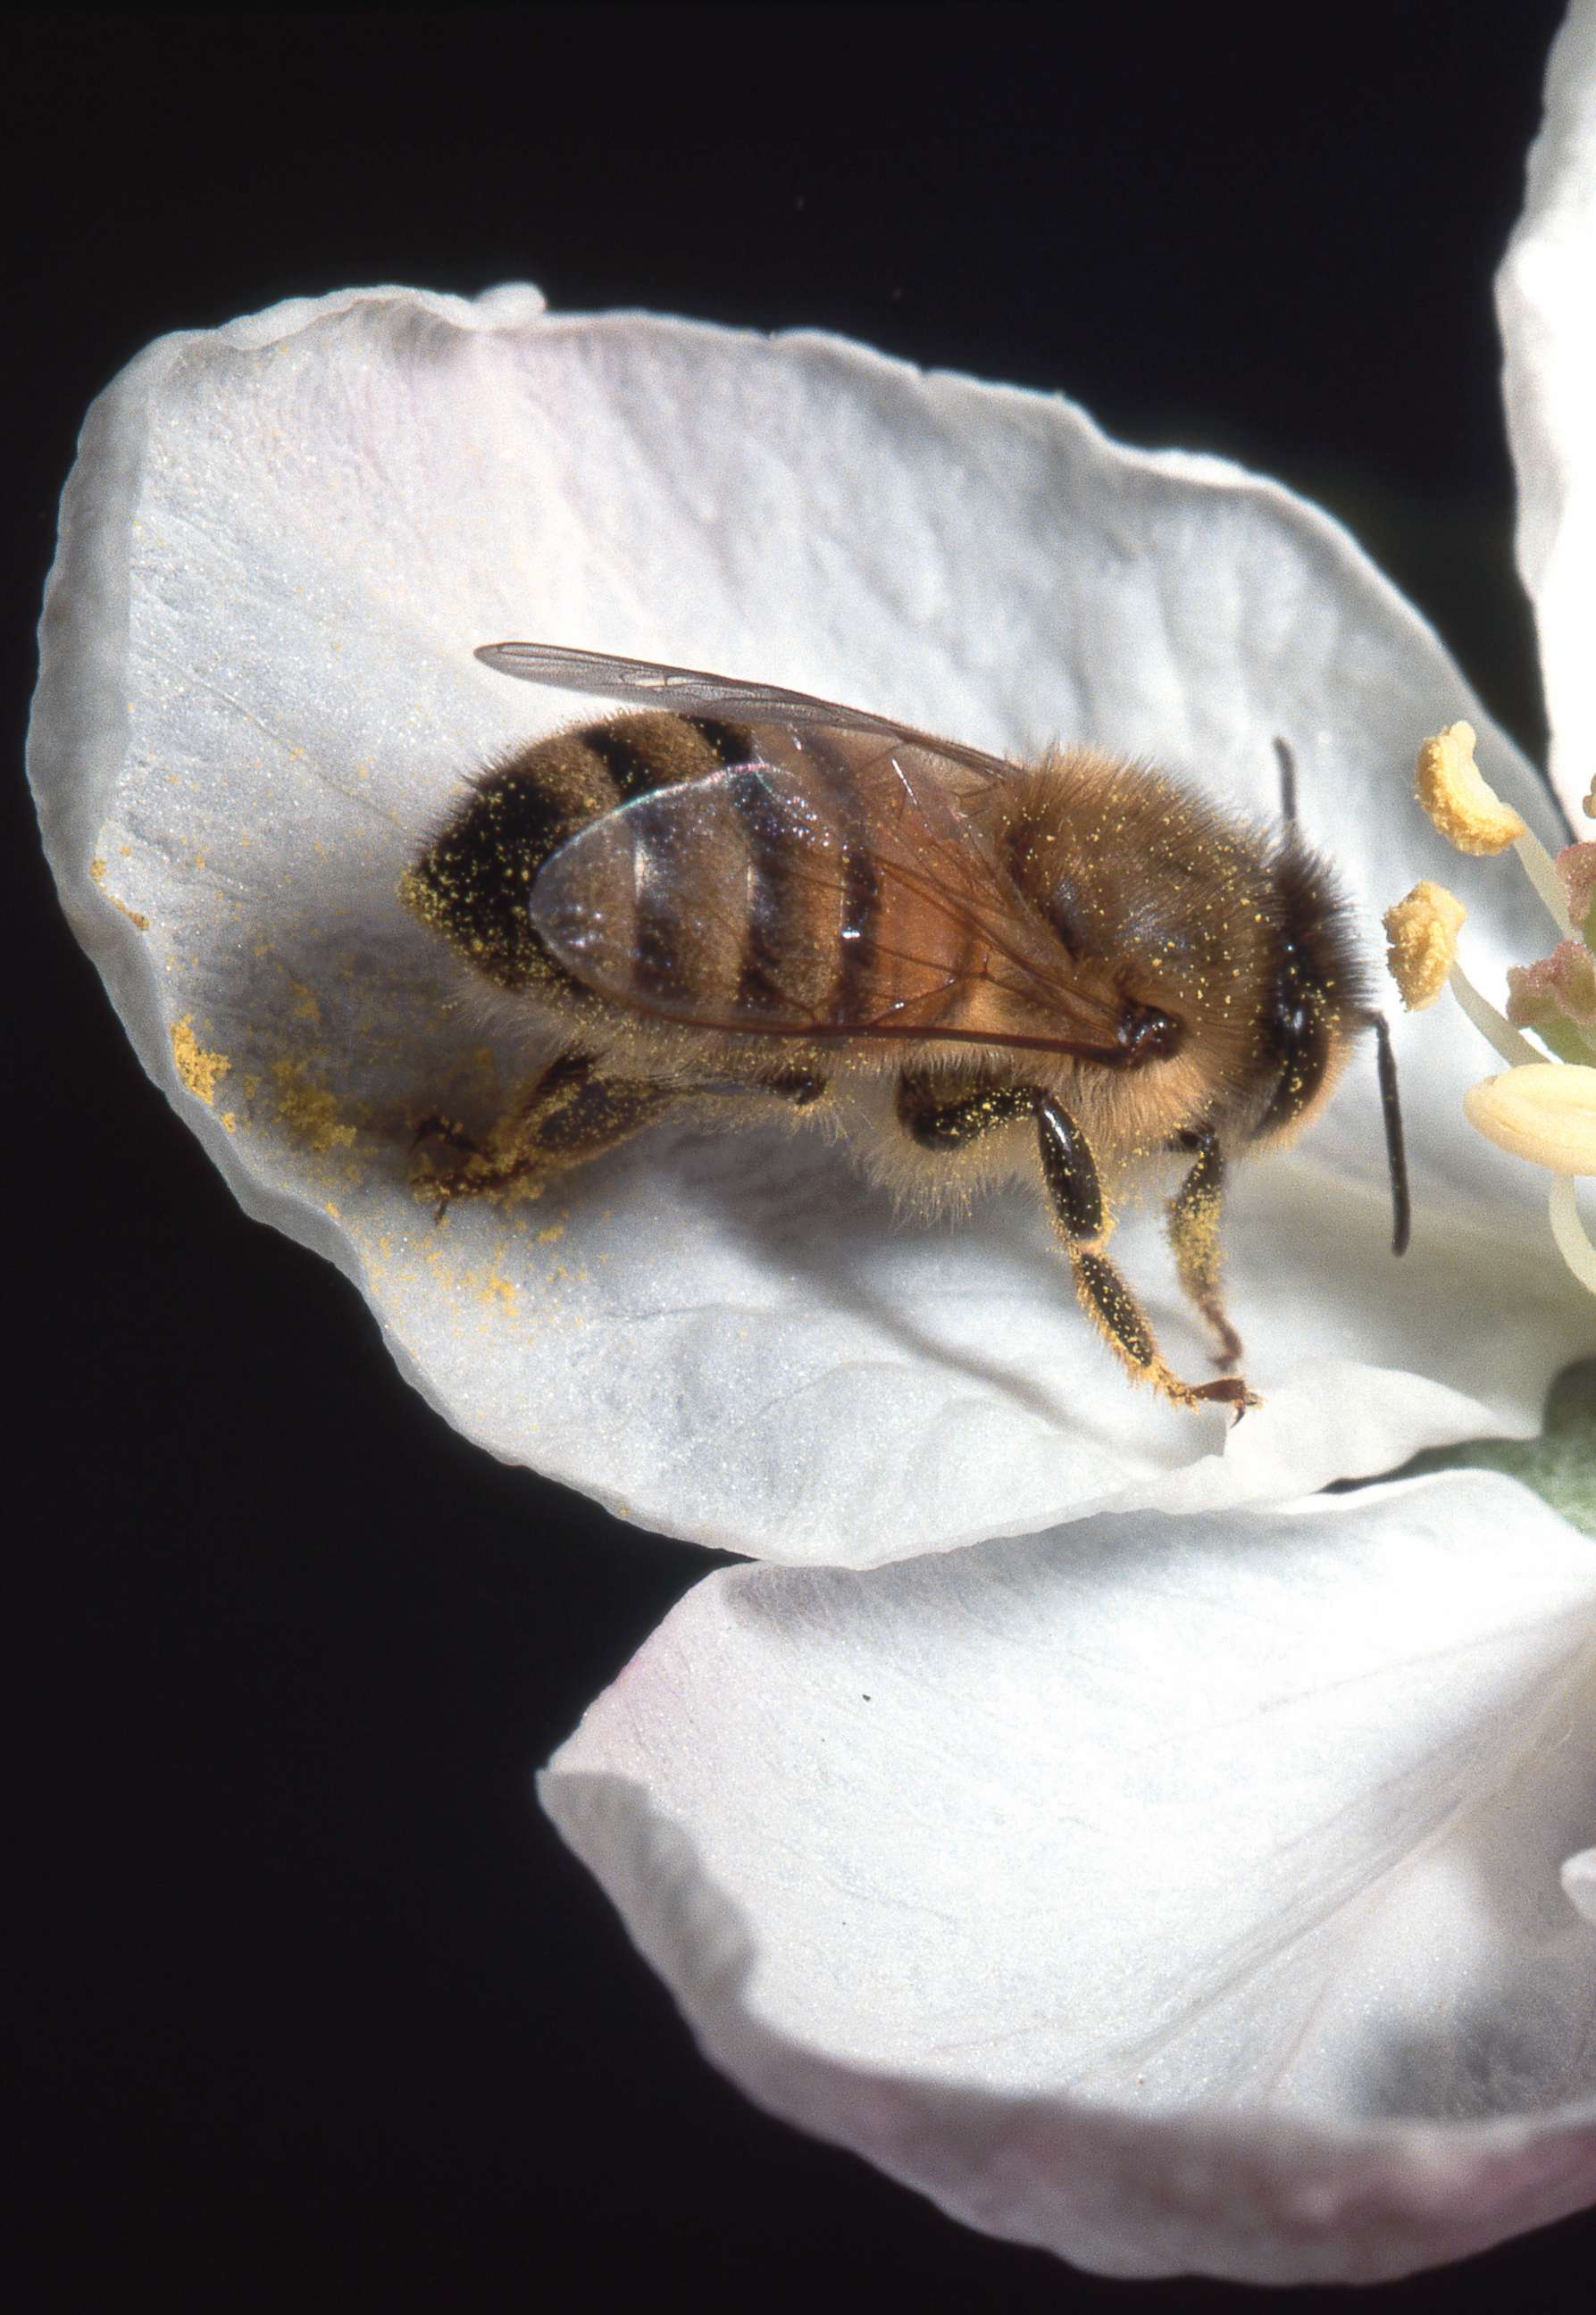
{"x": 1545, "y": 1111}
{"x": 309, "y": 1110}
{"x": 200, "y": 1071}
{"x": 1422, "y": 942}
{"x": 1461, "y": 802}
{"x": 97, "y": 871}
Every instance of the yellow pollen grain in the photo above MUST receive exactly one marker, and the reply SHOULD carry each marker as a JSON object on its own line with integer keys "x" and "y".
{"x": 200, "y": 1071}
{"x": 1460, "y": 802}
{"x": 1545, "y": 1111}
{"x": 309, "y": 1110}
{"x": 1421, "y": 940}
{"x": 97, "y": 871}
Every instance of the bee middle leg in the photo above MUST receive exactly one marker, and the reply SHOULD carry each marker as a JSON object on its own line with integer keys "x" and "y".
{"x": 938, "y": 1120}
{"x": 1191, "y": 1222}
{"x": 569, "y": 1115}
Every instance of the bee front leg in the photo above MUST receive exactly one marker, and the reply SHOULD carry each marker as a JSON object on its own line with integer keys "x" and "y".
{"x": 566, "y": 1116}
{"x": 1069, "y": 1172}
{"x": 938, "y": 1119}
{"x": 1192, "y": 1220}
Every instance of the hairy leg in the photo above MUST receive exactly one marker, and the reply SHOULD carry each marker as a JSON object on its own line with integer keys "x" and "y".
{"x": 1192, "y": 1222}
{"x": 569, "y": 1115}
{"x": 937, "y": 1119}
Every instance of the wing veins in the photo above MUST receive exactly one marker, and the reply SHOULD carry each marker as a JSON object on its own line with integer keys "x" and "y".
{"x": 615, "y": 676}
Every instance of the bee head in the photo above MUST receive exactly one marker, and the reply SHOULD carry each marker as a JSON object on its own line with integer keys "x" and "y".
{"x": 1316, "y": 1001}
{"x": 1315, "y": 996}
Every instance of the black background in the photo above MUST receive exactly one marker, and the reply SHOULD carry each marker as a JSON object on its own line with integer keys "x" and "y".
{"x": 308, "y": 2001}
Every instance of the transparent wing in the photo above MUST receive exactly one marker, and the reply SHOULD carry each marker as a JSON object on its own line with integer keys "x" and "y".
{"x": 842, "y": 893}
{"x": 690, "y": 691}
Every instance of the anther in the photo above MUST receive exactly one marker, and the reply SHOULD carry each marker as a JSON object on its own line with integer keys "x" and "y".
{"x": 1422, "y": 942}
{"x": 1461, "y": 802}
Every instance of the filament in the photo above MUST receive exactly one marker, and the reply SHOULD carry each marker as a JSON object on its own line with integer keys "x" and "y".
{"x": 1538, "y": 865}
{"x": 1493, "y": 1026}
{"x": 1573, "y": 1244}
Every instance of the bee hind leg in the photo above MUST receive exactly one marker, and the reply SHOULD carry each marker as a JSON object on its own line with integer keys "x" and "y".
{"x": 565, "y": 1116}
{"x": 1191, "y": 1222}
{"x": 571, "y": 1112}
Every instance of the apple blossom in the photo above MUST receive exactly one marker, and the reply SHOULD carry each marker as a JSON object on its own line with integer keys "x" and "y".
{"x": 281, "y": 546}
{"x": 1210, "y": 1890}
{"x": 1542, "y": 1110}
{"x": 1212, "y": 1894}
{"x": 1170, "y": 1893}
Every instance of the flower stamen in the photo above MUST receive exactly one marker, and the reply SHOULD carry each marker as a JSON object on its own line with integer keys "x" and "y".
{"x": 1420, "y": 955}
{"x": 1422, "y": 942}
{"x": 1542, "y": 1111}
{"x": 1545, "y": 1111}
{"x": 1569, "y": 1232}
{"x": 1493, "y": 1026}
{"x": 1466, "y": 809}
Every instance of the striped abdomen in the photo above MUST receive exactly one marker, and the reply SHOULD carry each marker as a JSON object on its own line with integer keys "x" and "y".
{"x": 750, "y": 901}
{"x": 765, "y": 880}
{"x": 475, "y": 882}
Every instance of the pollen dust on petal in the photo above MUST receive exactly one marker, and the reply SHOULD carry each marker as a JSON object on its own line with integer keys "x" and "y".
{"x": 97, "y": 871}
{"x": 200, "y": 1071}
{"x": 310, "y": 1110}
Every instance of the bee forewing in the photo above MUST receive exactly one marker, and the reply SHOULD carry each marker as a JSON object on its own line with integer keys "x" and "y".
{"x": 690, "y": 691}
{"x": 841, "y": 895}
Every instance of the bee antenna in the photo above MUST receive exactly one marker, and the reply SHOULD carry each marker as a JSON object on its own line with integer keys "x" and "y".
{"x": 1395, "y": 1149}
{"x": 1288, "y": 770}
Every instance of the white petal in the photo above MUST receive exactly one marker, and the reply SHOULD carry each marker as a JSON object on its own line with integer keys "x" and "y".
{"x": 1579, "y": 1882}
{"x": 281, "y": 546}
{"x": 1173, "y": 1894}
{"x": 1548, "y": 330}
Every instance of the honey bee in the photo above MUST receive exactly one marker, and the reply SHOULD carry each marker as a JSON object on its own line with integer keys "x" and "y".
{"x": 740, "y": 900}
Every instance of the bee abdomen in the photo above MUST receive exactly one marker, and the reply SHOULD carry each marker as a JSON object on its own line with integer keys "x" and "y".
{"x": 755, "y": 908}
{"x": 473, "y": 882}
{"x": 809, "y": 941}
